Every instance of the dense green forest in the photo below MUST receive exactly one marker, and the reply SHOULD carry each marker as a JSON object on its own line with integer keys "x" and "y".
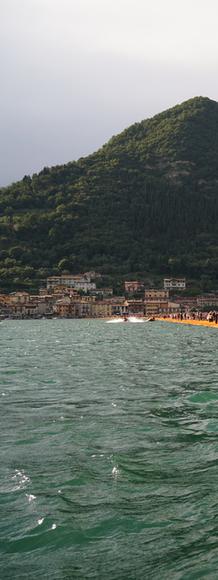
{"x": 145, "y": 204}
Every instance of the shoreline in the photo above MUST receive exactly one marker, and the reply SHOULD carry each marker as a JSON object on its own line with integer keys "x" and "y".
{"x": 112, "y": 318}
{"x": 188, "y": 321}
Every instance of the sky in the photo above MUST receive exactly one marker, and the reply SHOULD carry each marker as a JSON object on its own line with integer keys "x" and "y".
{"x": 76, "y": 72}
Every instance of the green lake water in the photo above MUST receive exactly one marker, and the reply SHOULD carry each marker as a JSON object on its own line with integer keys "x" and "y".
{"x": 109, "y": 451}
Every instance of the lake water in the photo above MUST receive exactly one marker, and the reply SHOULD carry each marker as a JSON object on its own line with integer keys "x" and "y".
{"x": 109, "y": 451}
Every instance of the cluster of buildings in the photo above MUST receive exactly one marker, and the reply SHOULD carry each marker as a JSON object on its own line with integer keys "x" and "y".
{"x": 77, "y": 296}
{"x": 65, "y": 296}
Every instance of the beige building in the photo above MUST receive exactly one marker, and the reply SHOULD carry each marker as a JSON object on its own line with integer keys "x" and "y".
{"x": 24, "y": 310}
{"x": 101, "y": 309}
{"x": 68, "y": 307}
{"x": 135, "y": 306}
{"x": 82, "y": 308}
{"x": 156, "y": 301}
{"x": 207, "y": 300}
{"x": 62, "y": 307}
{"x": 155, "y": 307}
{"x": 174, "y": 307}
{"x": 19, "y": 297}
{"x": 156, "y": 294}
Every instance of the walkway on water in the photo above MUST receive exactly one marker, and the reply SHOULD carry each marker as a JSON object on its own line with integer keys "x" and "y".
{"x": 188, "y": 321}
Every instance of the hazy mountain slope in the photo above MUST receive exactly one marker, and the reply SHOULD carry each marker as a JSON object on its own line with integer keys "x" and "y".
{"x": 146, "y": 201}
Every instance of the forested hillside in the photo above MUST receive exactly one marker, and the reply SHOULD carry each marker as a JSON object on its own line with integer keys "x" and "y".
{"x": 146, "y": 202}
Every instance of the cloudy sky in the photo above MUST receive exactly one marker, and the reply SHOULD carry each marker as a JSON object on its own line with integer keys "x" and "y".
{"x": 76, "y": 72}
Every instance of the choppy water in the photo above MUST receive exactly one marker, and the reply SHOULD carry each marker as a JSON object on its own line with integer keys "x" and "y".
{"x": 109, "y": 451}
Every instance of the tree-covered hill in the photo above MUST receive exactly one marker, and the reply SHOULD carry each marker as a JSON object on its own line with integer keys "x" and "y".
{"x": 147, "y": 201}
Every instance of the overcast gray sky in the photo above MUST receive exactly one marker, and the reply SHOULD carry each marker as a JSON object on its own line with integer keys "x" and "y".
{"x": 76, "y": 72}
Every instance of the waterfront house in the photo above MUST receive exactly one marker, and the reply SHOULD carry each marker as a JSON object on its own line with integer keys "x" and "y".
{"x": 156, "y": 307}
{"x": 82, "y": 308}
{"x": 101, "y": 309}
{"x": 23, "y": 310}
{"x": 62, "y": 307}
{"x": 135, "y": 306}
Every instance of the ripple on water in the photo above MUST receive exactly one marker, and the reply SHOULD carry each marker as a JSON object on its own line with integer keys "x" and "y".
{"x": 109, "y": 444}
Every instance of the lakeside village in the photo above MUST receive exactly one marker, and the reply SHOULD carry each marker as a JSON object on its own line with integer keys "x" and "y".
{"x": 77, "y": 296}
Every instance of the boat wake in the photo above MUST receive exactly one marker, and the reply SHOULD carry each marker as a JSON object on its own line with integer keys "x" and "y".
{"x": 132, "y": 319}
{"x": 115, "y": 321}
{"x": 135, "y": 319}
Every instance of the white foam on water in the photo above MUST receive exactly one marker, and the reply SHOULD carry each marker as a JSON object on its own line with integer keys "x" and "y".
{"x": 30, "y": 497}
{"x": 115, "y": 321}
{"x": 115, "y": 472}
{"x": 53, "y": 527}
{"x": 21, "y": 479}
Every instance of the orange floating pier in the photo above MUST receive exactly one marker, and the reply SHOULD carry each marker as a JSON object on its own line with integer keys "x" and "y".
{"x": 189, "y": 321}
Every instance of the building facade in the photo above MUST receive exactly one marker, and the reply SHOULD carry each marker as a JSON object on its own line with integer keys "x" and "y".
{"x": 133, "y": 286}
{"x": 174, "y": 283}
{"x": 78, "y": 282}
{"x": 156, "y": 294}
